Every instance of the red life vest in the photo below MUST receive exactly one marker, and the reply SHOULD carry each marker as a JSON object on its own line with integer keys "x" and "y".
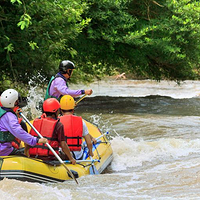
{"x": 73, "y": 128}
{"x": 16, "y": 142}
{"x": 45, "y": 126}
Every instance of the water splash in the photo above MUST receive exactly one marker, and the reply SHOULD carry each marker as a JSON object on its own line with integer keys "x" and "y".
{"x": 104, "y": 126}
{"x": 129, "y": 153}
{"x": 35, "y": 99}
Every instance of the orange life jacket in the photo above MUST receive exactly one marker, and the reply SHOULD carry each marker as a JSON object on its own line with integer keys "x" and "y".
{"x": 16, "y": 142}
{"x": 73, "y": 128}
{"x": 45, "y": 126}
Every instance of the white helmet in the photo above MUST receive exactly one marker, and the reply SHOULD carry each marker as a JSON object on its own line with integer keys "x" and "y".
{"x": 9, "y": 97}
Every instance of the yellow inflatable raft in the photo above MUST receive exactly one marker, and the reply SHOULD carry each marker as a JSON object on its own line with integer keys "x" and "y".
{"x": 36, "y": 170}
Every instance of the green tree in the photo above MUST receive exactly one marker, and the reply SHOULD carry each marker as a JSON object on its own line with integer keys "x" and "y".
{"x": 155, "y": 40}
{"x": 169, "y": 38}
{"x": 101, "y": 47}
{"x": 146, "y": 38}
{"x": 33, "y": 33}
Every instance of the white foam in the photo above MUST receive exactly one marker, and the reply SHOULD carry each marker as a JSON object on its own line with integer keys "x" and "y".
{"x": 142, "y": 88}
{"x": 130, "y": 153}
{"x": 13, "y": 189}
{"x": 34, "y": 98}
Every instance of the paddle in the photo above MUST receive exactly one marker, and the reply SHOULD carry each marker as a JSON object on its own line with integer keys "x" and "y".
{"x": 80, "y": 161}
{"x": 102, "y": 135}
{"x": 80, "y": 99}
{"x": 93, "y": 169}
{"x": 49, "y": 146}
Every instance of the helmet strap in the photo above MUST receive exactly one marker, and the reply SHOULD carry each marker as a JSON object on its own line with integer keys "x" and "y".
{"x": 69, "y": 72}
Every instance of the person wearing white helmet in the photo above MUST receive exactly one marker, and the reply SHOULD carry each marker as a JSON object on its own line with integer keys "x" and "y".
{"x": 58, "y": 86}
{"x": 10, "y": 127}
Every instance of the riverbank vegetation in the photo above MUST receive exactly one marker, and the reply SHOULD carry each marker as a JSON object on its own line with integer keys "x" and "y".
{"x": 146, "y": 38}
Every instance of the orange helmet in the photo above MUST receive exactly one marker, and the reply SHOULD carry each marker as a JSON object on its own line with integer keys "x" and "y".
{"x": 51, "y": 105}
{"x": 67, "y": 102}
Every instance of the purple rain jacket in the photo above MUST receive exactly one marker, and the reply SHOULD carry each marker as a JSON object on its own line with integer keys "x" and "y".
{"x": 9, "y": 122}
{"x": 58, "y": 87}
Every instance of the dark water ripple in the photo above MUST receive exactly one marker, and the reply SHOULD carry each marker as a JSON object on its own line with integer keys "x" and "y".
{"x": 150, "y": 104}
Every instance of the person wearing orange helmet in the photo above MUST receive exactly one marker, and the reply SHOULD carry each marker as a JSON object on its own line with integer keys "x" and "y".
{"x": 74, "y": 128}
{"x": 49, "y": 127}
{"x": 10, "y": 127}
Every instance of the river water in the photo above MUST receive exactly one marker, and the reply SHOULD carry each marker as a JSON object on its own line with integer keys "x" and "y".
{"x": 154, "y": 132}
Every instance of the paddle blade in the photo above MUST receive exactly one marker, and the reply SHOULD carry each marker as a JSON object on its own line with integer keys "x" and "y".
{"x": 93, "y": 170}
{"x": 69, "y": 172}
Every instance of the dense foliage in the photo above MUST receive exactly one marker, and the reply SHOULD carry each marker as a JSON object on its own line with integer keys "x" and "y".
{"x": 146, "y": 38}
{"x": 34, "y": 33}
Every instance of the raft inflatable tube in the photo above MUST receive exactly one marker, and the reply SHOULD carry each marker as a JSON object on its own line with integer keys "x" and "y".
{"x": 36, "y": 170}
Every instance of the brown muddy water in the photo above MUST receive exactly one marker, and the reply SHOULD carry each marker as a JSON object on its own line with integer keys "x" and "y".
{"x": 155, "y": 135}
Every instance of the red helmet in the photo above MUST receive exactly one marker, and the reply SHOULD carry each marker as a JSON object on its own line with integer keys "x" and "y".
{"x": 51, "y": 105}
{"x": 0, "y": 103}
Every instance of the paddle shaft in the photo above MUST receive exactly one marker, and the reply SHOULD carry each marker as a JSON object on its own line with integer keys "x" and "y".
{"x": 81, "y": 99}
{"x": 80, "y": 161}
{"x": 49, "y": 146}
{"x": 102, "y": 135}
{"x": 99, "y": 137}
{"x": 93, "y": 169}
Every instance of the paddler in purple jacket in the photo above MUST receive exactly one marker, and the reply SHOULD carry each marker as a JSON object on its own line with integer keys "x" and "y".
{"x": 10, "y": 127}
{"x": 58, "y": 87}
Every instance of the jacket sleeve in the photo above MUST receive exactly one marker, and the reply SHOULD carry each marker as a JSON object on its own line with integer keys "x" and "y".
{"x": 61, "y": 86}
{"x": 12, "y": 125}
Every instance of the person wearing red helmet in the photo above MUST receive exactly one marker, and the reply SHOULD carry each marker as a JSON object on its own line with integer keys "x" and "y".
{"x": 49, "y": 127}
{"x": 58, "y": 86}
{"x": 0, "y": 103}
